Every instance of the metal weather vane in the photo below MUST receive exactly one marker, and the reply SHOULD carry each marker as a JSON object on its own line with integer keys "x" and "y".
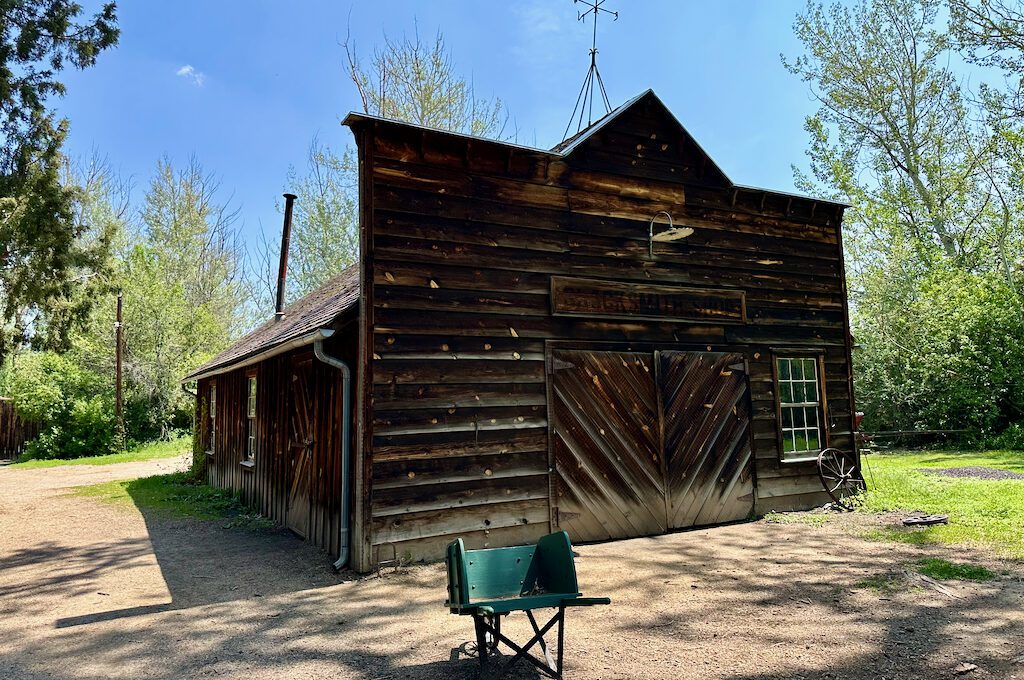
{"x": 585, "y": 100}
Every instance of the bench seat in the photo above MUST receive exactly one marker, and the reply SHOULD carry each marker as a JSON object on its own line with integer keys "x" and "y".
{"x": 515, "y": 603}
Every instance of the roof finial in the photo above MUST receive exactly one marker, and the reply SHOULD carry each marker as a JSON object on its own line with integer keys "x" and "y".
{"x": 585, "y": 100}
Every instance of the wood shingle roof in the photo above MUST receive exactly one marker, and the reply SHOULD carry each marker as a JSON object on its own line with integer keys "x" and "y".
{"x": 303, "y": 317}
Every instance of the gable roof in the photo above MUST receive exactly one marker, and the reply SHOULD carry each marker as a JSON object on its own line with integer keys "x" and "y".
{"x": 303, "y": 320}
{"x": 568, "y": 146}
{"x": 572, "y": 141}
{"x": 635, "y": 125}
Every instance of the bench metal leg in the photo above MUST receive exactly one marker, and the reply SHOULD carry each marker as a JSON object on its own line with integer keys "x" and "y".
{"x": 481, "y": 639}
{"x": 497, "y": 630}
{"x": 561, "y": 638}
{"x": 540, "y": 642}
{"x": 551, "y": 669}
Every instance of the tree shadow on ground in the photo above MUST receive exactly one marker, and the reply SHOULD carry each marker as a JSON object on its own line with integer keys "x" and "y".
{"x": 207, "y": 562}
{"x": 748, "y": 602}
{"x": 920, "y": 635}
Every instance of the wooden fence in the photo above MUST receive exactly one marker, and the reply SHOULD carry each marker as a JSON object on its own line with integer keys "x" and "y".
{"x": 15, "y": 433}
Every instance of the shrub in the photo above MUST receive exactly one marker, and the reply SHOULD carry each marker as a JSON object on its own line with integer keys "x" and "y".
{"x": 141, "y": 421}
{"x": 1010, "y": 439}
{"x": 90, "y": 428}
{"x": 945, "y": 351}
{"x": 75, "y": 413}
{"x": 41, "y": 384}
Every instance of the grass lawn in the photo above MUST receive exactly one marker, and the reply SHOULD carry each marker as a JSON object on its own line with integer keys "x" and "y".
{"x": 168, "y": 449}
{"x": 175, "y": 494}
{"x": 981, "y": 513}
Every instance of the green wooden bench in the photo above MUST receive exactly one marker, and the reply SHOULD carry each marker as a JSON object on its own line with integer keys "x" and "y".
{"x": 491, "y": 583}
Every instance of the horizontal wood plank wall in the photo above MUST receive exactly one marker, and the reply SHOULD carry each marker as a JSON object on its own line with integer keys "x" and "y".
{"x": 265, "y": 486}
{"x": 465, "y": 236}
{"x": 15, "y": 433}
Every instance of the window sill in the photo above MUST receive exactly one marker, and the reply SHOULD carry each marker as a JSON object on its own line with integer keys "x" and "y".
{"x": 249, "y": 464}
{"x": 802, "y": 459}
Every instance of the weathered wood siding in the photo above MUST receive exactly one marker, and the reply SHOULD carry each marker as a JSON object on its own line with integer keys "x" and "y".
{"x": 461, "y": 238}
{"x": 265, "y": 486}
{"x": 15, "y": 433}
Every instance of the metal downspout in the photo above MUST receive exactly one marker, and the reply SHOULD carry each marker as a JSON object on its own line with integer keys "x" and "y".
{"x": 346, "y": 427}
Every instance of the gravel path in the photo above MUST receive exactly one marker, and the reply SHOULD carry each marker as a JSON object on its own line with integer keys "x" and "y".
{"x": 973, "y": 472}
{"x": 89, "y": 590}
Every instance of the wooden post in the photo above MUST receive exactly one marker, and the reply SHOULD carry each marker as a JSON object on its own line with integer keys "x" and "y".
{"x": 119, "y": 434}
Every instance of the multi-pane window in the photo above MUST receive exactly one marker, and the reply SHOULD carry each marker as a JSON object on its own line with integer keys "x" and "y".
{"x": 800, "y": 402}
{"x": 250, "y": 447}
{"x": 213, "y": 419}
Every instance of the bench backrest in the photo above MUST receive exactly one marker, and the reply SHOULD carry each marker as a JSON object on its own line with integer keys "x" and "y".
{"x": 493, "y": 573}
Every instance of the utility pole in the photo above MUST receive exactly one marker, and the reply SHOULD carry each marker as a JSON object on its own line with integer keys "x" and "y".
{"x": 119, "y": 398}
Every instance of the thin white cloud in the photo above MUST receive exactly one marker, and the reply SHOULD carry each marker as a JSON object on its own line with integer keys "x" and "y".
{"x": 190, "y": 73}
{"x": 541, "y": 23}
{"x": 543, "y": 41}
{"x": 542, "y": 17}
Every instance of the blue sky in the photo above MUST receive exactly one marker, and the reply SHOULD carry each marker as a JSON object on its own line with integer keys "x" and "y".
{"x": 245, "y": 85}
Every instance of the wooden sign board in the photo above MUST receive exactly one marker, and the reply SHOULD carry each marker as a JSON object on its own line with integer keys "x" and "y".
{"x": 616, "y": 299}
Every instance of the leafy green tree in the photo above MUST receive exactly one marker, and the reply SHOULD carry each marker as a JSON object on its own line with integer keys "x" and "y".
{"x": 42, "y": 254}
{"x": 325, "y": 237}
{"x": 101, "y": 211}
{"x": 182, "y": 292}
{"x": 166, "y": 336}
{"x": 75, "y": 412}
{"x": 949, "y": 355}
{"x": 991, "y": 33}
{"x": 192, "y": 234}
{"x": 410, "y": 80}
{"x": 416, "y": 81}
{"x": 894, "y": 133}
{"x": 177, "y": 266}
{"x": 934, "y": 238}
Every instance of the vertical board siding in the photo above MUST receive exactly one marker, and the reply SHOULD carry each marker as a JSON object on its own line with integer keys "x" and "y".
{"x": 15, "y": 433}
{"x": 266, "y": 485}
{"x": 461, "y": 238}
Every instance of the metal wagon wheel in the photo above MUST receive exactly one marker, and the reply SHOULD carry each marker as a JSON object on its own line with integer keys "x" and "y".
{"x": 841, "y": 477}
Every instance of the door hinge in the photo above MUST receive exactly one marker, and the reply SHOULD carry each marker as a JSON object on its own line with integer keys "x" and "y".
{"x": 563, "y": 515}
{"x": 557, "y": 364}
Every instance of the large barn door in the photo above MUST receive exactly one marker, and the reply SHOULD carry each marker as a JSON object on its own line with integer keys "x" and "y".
{"x": 301, "y": 447}
{"x": 609, "y": 473}
{"x": 706, "y": 411}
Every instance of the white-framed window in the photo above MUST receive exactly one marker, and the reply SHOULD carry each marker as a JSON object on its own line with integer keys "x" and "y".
{"x": 799, "y": 407}
{"x": 250, "y": 413}
{"x": 213, "y": 419}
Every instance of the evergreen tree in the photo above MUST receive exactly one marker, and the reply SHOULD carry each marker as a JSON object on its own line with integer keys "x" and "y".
{"x": 44, "y": 252}
{"x": 410, "y": 80}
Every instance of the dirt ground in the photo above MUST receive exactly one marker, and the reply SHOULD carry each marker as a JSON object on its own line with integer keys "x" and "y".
{"x": 89, "y": 590}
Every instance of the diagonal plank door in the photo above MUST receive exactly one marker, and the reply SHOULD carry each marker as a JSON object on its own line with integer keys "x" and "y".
{"x": 300, "y": 447}
{"x": 706, "y": 413}
{"x": 609, "y": 472}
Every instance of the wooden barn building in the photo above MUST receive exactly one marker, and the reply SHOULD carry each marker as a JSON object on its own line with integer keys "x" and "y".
{"x": 609, "y": 337}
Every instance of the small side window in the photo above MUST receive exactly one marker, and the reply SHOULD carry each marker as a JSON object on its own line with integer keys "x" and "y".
{"x": 799, "y": 407}
{"x": 250, "y": 447}
{"x": 212, "y": 448}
